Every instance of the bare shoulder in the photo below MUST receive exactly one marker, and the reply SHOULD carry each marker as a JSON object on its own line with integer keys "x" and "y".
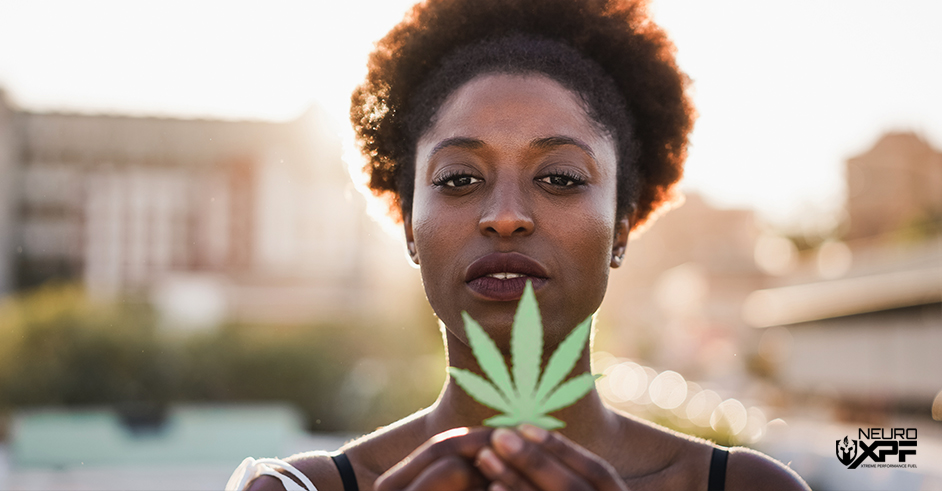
{"x": 317, "y": 466}
{"x": 369, "y": 456}
{"x": 672, "y": 460}
{"x": 748, "y": 469}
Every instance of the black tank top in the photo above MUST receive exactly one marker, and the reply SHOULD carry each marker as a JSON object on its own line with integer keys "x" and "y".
{"x": 716, "y": 481}
{"x": 347, "y": 476}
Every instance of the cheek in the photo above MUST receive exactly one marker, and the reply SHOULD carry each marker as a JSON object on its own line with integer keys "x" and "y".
{"x": 432, "y": 228}
{"x": 594, "y": 228}
{"x": 439, "y": 240}
{"x": 590, "y": 245}
{"x": 440, "y": 234}
{"x": 593, "y": 244}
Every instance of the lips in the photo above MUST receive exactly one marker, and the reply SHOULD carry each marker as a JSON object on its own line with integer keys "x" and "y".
{"x": 502, "y": 276}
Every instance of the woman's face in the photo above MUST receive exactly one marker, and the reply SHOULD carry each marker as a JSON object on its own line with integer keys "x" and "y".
{"x": 514, "y": 182}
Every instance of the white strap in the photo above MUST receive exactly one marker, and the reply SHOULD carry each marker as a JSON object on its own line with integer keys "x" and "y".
{"x": 251, "y": 468}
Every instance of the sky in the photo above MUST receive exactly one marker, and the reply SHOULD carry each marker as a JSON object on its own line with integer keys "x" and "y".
{"x": 786, "y": 90}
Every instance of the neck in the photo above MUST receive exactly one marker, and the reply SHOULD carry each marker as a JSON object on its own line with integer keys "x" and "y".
{"x": 587, "y": 420}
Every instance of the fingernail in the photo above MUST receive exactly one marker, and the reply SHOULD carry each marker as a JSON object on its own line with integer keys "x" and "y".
{"x": 496, "y": 486}
{"x": 489, "y": 462}
{"x": 533, "y": 433}
{"x": 507, "y": 440}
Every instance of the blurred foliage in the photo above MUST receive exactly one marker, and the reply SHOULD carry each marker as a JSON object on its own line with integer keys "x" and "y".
{"x": 58, "y": 347}
{"x": 920, "y": 228}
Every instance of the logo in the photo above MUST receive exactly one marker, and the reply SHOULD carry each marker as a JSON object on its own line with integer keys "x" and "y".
{"x": 883, "y": 443}
{"x": 846, "y": 450}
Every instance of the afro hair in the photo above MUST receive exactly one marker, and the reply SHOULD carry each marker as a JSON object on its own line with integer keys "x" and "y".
{"x": 627, "y": 77}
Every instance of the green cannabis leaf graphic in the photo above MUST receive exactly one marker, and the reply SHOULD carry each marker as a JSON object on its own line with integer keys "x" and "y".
{"x": 528, "y": 398}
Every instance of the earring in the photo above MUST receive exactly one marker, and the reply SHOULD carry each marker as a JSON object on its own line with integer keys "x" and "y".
{"x": 412, "y": 252}
{"x": 617, "y": 259}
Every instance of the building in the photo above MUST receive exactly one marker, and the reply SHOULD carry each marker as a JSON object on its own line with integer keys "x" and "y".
{"x": 853, "y": 320}
{"x": 676, "y": 300}
{"x": 868, "y": 333}
{"x": 895, "y": 185}
{"x": 8, "y": 202}
{"x": 208, "y": 219}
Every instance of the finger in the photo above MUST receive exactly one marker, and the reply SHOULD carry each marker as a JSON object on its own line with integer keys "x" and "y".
{"x": 497, "y": 486}
{"x": 504, "y": 476}
{"x": 462, "y": 442}
{"x": 535, "y": 463}
{"x": 451, "y": 473}
{"x": 597, "y": 472}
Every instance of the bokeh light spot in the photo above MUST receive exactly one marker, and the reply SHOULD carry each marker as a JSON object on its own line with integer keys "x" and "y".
{"x": 701, "y": 406}
{"x": 729, "y": 417}
{"x": 754, "y": 429}
{"x": 627, "y": 381}
{"x": 668, "y": 390}
{"x": 834, "y": 259}
{"x": 775, "y": 255}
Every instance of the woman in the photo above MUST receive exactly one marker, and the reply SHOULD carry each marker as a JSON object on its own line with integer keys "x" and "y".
{"x": 522, "y": 140}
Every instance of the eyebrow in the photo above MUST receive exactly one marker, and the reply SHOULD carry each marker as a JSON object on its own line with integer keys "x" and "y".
{"x": 539, "y": 143}
{"x": 557, "y": 141}
{"x": 458, "y": 141}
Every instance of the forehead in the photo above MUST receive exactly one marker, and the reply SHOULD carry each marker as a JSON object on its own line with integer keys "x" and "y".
{"x": 513, "y": 109}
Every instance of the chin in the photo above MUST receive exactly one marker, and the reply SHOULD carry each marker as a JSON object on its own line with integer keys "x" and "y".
{"x": 498, "y": 327}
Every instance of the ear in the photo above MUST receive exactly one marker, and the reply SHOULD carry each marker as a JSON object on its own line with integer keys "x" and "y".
{"x": 620, "y": 244}
{"x": 410, "y": 238}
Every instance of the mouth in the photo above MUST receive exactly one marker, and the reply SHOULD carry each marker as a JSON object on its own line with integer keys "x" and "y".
{"x": 502, "y": 276}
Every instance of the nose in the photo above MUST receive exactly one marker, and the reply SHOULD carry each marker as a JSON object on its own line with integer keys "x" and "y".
{"x": 507, "y": 212}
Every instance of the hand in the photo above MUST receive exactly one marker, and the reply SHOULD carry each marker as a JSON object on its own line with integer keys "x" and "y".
{"x": 533, "y": 459}
{"x": 444, "y": 463}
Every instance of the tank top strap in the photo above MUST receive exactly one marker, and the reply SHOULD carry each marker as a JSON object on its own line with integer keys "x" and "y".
{"x": 717, "y": 479}
{"x": 347, "y": 476}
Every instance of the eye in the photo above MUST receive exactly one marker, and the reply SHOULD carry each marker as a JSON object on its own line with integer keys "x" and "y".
{"x": 563, "y": 179}
{"x": 455, "y": 180}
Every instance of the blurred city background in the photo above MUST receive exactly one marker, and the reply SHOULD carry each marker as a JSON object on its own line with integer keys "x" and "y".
{"x": 189, "y": 274}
